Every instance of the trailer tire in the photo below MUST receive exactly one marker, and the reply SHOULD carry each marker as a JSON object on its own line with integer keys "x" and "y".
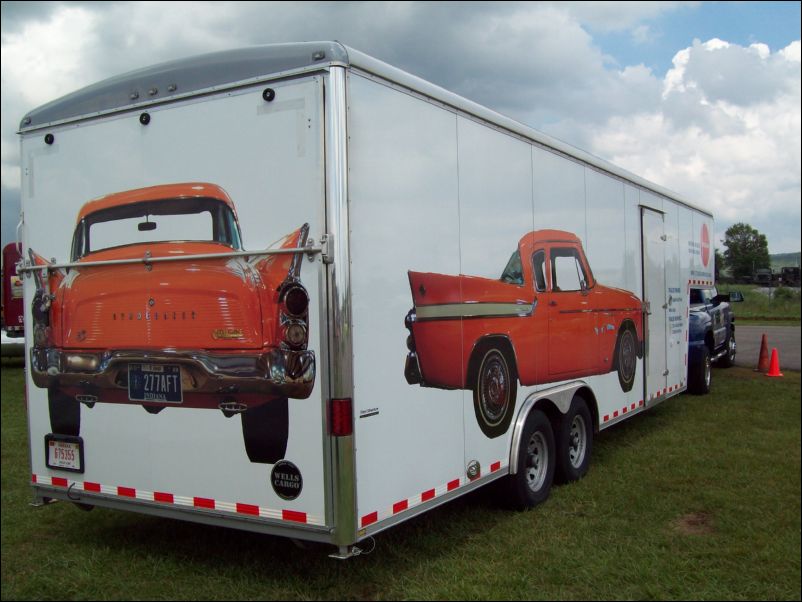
{"x": 626, "y": 357}
{"x": 494, "y": 392}
{"x": 700, "y": 373}
{"x": 65, "y": 413}
{"x": 531, "y": 485}
{"x": 265, "y": 430}
{"x": 574, "y": 442}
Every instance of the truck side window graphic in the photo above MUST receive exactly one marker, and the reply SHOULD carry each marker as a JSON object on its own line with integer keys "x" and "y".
{"x": 539, "y": 264}
{"x": 513, "y": 274}
{"x": 567, "y": 272}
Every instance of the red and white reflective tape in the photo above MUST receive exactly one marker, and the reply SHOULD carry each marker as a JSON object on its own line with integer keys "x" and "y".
{"x": 625, "y": 410}
{"x": 667, "y": 390}
{"x": 422, "y": 498}
{"x": 161, "y": 497}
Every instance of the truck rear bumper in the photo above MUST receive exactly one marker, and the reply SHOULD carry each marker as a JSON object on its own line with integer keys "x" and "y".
{"x": 276, "y": 372}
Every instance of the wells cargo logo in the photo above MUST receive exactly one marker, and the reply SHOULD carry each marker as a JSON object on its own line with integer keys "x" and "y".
{"x": 705, "y": 245}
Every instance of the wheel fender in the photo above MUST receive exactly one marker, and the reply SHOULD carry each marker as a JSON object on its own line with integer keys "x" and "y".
{"x": 560, "y": 397}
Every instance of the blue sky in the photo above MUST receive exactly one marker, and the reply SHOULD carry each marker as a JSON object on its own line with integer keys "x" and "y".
{"x": 700, "y": 97}
{"x": 776, "y": 24}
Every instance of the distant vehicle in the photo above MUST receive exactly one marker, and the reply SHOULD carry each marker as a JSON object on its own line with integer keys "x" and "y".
{"x": 763, "y": 277}
{"x": 711, "y": 336}
{"x": 13, "y": 311}
{"x": 789, "y": 276}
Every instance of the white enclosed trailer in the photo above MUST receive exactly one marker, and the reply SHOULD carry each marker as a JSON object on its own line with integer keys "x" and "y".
{"x": 477, "y": 301}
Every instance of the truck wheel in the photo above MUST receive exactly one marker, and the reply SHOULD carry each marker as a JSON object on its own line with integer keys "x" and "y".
{"x": 700, "y": 374}
{"x": 494, "y": 393}
{"x": 265, "y": 430}
{"x": 728, "y": 360}
{"x": 531, "y": 485}
{"x": 626, "y": 358}
{"x": 65, "y": 413}
{"x": 574, "y": 442}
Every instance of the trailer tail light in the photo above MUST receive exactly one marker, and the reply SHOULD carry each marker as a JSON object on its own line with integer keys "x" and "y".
{"x": 342, "y": 422}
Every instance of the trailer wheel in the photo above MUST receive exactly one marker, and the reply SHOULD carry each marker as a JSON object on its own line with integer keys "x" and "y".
{"x": 574, "y": 442}
{"x": 265, "y": 430}
{"x": 65, "y": 413}
{"x": 531, "y": 485}
{"x": 700, "y": 374}
{"x": 494, "y": 393}
{"x": 626, "y": 358}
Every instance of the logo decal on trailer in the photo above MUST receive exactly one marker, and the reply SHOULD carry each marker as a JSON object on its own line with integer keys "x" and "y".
{"x": 705, "y": 239}
{"x": 286, "y": 480}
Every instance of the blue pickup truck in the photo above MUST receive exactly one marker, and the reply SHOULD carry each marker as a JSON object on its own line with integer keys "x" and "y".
{"x": 711, "y": 335}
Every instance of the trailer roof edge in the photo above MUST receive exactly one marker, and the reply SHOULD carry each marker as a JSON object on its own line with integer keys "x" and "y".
{"x": 183, "y": 77}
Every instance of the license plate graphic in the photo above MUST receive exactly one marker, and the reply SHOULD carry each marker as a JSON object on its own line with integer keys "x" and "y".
{"x": 154, "y": 382}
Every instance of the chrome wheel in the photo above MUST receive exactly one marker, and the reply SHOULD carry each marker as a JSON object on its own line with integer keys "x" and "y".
{"x": 494, "y": 387}
{"x": 627, "y": 359}
{"x": 537, "y": 461}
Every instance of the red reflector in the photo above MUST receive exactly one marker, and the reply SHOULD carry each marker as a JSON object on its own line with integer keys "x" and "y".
{"x": 342, "y": 423}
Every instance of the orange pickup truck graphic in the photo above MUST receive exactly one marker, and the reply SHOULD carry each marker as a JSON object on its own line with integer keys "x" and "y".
{"x": 546, "y": 319}
{"x": 219, "y": 329}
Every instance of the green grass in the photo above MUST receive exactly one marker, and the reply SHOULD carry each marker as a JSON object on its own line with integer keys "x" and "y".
{"x": 780, "y": 306}
{"x": 696, "y": 499}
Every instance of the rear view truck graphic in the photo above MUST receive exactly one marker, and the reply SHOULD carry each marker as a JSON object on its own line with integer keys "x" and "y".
{"x": 163, "y": 308}
{"x": 546, "y": 319}
{"x": 183, "y": 365}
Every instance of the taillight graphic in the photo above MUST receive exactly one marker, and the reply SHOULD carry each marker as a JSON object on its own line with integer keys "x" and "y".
{"x": 296, "y": 301}
{"x": 294, "y": 319}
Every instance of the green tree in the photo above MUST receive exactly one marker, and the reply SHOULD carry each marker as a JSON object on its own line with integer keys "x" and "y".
{"x": 746, "y": 250}
{"x": 720, "y": 265}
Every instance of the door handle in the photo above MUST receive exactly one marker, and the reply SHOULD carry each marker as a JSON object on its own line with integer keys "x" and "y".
{"x": 553, "y": 303}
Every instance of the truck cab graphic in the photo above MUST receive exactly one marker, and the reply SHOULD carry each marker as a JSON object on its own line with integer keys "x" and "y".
{"x": 162, "y": 307}
{"x": 546, "y": 319}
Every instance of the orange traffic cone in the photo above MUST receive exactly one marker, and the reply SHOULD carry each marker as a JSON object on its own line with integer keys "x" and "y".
{"x": 763, "y": 359}
{"x": 774, "y": 370}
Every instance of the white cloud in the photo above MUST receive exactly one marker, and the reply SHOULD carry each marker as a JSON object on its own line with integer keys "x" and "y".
{"x": 737, "y": 153}
{"x": 48, "y": 59}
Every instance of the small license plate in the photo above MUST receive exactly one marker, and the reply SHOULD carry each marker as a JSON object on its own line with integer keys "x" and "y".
{"x": 63, "y": 452}
{"x": 159, "y": 383}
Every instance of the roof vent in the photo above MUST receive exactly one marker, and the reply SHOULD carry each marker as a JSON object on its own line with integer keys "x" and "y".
{"x": 319, "y": 55}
